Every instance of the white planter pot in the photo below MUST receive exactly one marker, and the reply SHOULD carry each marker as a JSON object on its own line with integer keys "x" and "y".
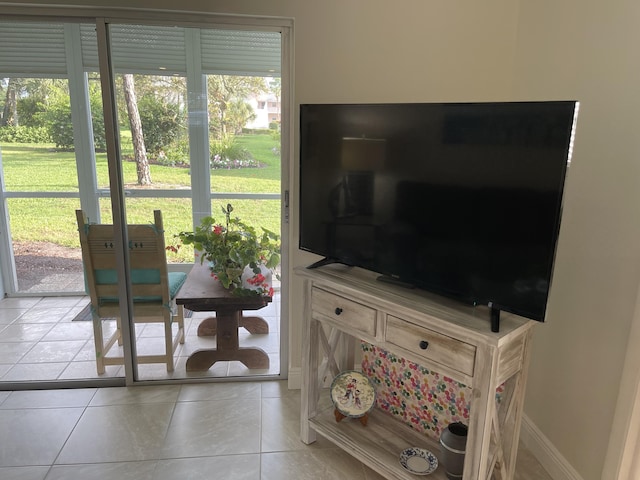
{"x": 248, "y": 276}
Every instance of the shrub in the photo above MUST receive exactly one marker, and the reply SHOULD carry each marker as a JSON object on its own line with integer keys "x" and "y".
{"x": 22, "y": 134}
{"x": 161, "y": 123}
{"x": 175, "y": 154}
{"x": 255, "y": 131}
{"x": 97, "y": 120}
{"x": 228, "y": 148}
{"x": 30, "y": 110}
{"x": 57, "y": 119}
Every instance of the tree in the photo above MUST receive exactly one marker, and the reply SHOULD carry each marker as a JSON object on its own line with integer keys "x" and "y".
{"x": 239, "y": 113}
{"x": 142, "y": 163}
{"x": 223, "y": 90}
{"x": 275, "y": 87}
{"x": 10, "y": 111}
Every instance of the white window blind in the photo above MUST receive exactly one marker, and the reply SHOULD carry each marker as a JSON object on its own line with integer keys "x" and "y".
{"x": 248, "y": 53}
{"x": 32, "y": 49}
{"x": 38, "y": 49}
{"x": 138, "y": 49}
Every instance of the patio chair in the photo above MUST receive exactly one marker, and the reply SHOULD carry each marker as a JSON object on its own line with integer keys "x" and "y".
{"x": 153, "y": 288}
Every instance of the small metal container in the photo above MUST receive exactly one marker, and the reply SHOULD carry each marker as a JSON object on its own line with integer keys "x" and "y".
{"x": 453, "y": 443}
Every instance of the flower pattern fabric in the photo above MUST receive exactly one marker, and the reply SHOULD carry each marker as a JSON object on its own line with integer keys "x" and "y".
{"x": 425, "y": 400}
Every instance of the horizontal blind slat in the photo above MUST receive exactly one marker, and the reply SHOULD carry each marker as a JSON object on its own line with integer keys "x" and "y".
{"x": 39, "y": 49}
{"x": 32, "y": 48}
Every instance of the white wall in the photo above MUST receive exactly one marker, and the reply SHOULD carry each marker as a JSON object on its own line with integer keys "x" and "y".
{"x": 373, "y": 51}
{"x": 416, "y": 50}
{"x": 587, "y": 50}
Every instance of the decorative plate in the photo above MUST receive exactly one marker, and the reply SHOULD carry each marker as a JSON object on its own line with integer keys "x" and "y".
{"x": 418, "y": 461}
{"x": 353, "y": 394}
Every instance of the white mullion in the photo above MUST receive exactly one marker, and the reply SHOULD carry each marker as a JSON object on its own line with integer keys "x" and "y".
{"x": 82, "y": 125}
{"x": 198, "y": 128}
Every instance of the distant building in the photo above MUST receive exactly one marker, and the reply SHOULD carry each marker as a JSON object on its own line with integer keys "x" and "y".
{"x": 266, "y": 106}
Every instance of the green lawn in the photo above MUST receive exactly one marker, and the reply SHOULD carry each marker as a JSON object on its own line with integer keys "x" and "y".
{"x": 41, "y": 168}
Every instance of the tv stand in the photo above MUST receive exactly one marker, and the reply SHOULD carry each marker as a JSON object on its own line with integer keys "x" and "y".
{"x": 394, "y": 281}
{"x": 344, "y": 305}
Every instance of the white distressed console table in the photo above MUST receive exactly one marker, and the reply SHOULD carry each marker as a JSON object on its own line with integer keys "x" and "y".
{"x": 344, "y": 305}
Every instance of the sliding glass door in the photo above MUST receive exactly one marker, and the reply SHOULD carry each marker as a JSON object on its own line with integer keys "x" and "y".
{"x": 52, "y": 151}
{"x": 191, "y": 122}
{"x": 183, "y": 104}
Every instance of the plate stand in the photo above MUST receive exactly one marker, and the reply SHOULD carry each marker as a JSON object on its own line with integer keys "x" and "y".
{"x": 339, "y": 416}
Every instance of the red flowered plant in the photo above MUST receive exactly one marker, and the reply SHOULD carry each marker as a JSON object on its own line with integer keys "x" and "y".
{"x": 172, "y": 248}
{"x": 231, "y": 247}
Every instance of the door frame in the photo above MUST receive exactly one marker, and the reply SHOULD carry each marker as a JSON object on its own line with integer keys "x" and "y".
{"x": 103, "y": 16}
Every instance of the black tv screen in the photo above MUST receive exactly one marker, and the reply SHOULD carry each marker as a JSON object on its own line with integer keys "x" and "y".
{"x": 461, "y": 199}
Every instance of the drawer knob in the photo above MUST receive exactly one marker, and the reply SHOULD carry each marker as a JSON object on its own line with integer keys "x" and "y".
{"x": 338, "y": 310}
{"x": 424, "y": 344}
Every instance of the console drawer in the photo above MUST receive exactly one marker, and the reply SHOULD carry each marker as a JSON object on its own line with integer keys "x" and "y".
{"x": 352, "y": 314}
{"x": 431, "y": 345}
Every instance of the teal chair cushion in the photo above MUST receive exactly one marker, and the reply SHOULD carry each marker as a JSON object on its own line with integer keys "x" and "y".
{"x": 140, "y": 276}
{"x": 176, "y": 280}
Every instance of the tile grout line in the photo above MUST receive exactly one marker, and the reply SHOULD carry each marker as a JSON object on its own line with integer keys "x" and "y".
{"x": 84, "y": 410}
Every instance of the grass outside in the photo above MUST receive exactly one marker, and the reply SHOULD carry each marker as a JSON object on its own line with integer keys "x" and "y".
{"x": 40, "y": 168}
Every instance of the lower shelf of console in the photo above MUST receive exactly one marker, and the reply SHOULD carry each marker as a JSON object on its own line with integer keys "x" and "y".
{"x": 378, "y": 444}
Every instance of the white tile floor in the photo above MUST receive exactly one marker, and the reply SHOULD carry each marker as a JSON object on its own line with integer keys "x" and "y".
{"x": 40, "y": 342}
{"x": 246, "y": 430}
{"x": 239, "y": 430}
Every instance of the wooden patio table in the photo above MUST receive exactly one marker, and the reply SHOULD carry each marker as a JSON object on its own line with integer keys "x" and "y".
{"x": 202, "y": 293}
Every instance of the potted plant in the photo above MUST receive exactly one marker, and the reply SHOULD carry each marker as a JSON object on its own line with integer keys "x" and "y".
{"x": 239, "y": 257}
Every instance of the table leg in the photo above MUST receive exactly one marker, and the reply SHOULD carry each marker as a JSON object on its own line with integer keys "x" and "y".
{"x": 227, "y": 347}
{"x": 207, "y": 327}
{"x": 253, "y": 324}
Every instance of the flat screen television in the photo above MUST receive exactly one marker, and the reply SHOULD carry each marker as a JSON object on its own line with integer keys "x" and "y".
{"x": 460, "y": 199}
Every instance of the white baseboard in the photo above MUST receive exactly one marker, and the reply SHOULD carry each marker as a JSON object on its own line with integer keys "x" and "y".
{"x": 546, "y": 453}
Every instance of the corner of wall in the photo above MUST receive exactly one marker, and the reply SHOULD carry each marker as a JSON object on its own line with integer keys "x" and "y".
{"x": 545, "y": 452}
